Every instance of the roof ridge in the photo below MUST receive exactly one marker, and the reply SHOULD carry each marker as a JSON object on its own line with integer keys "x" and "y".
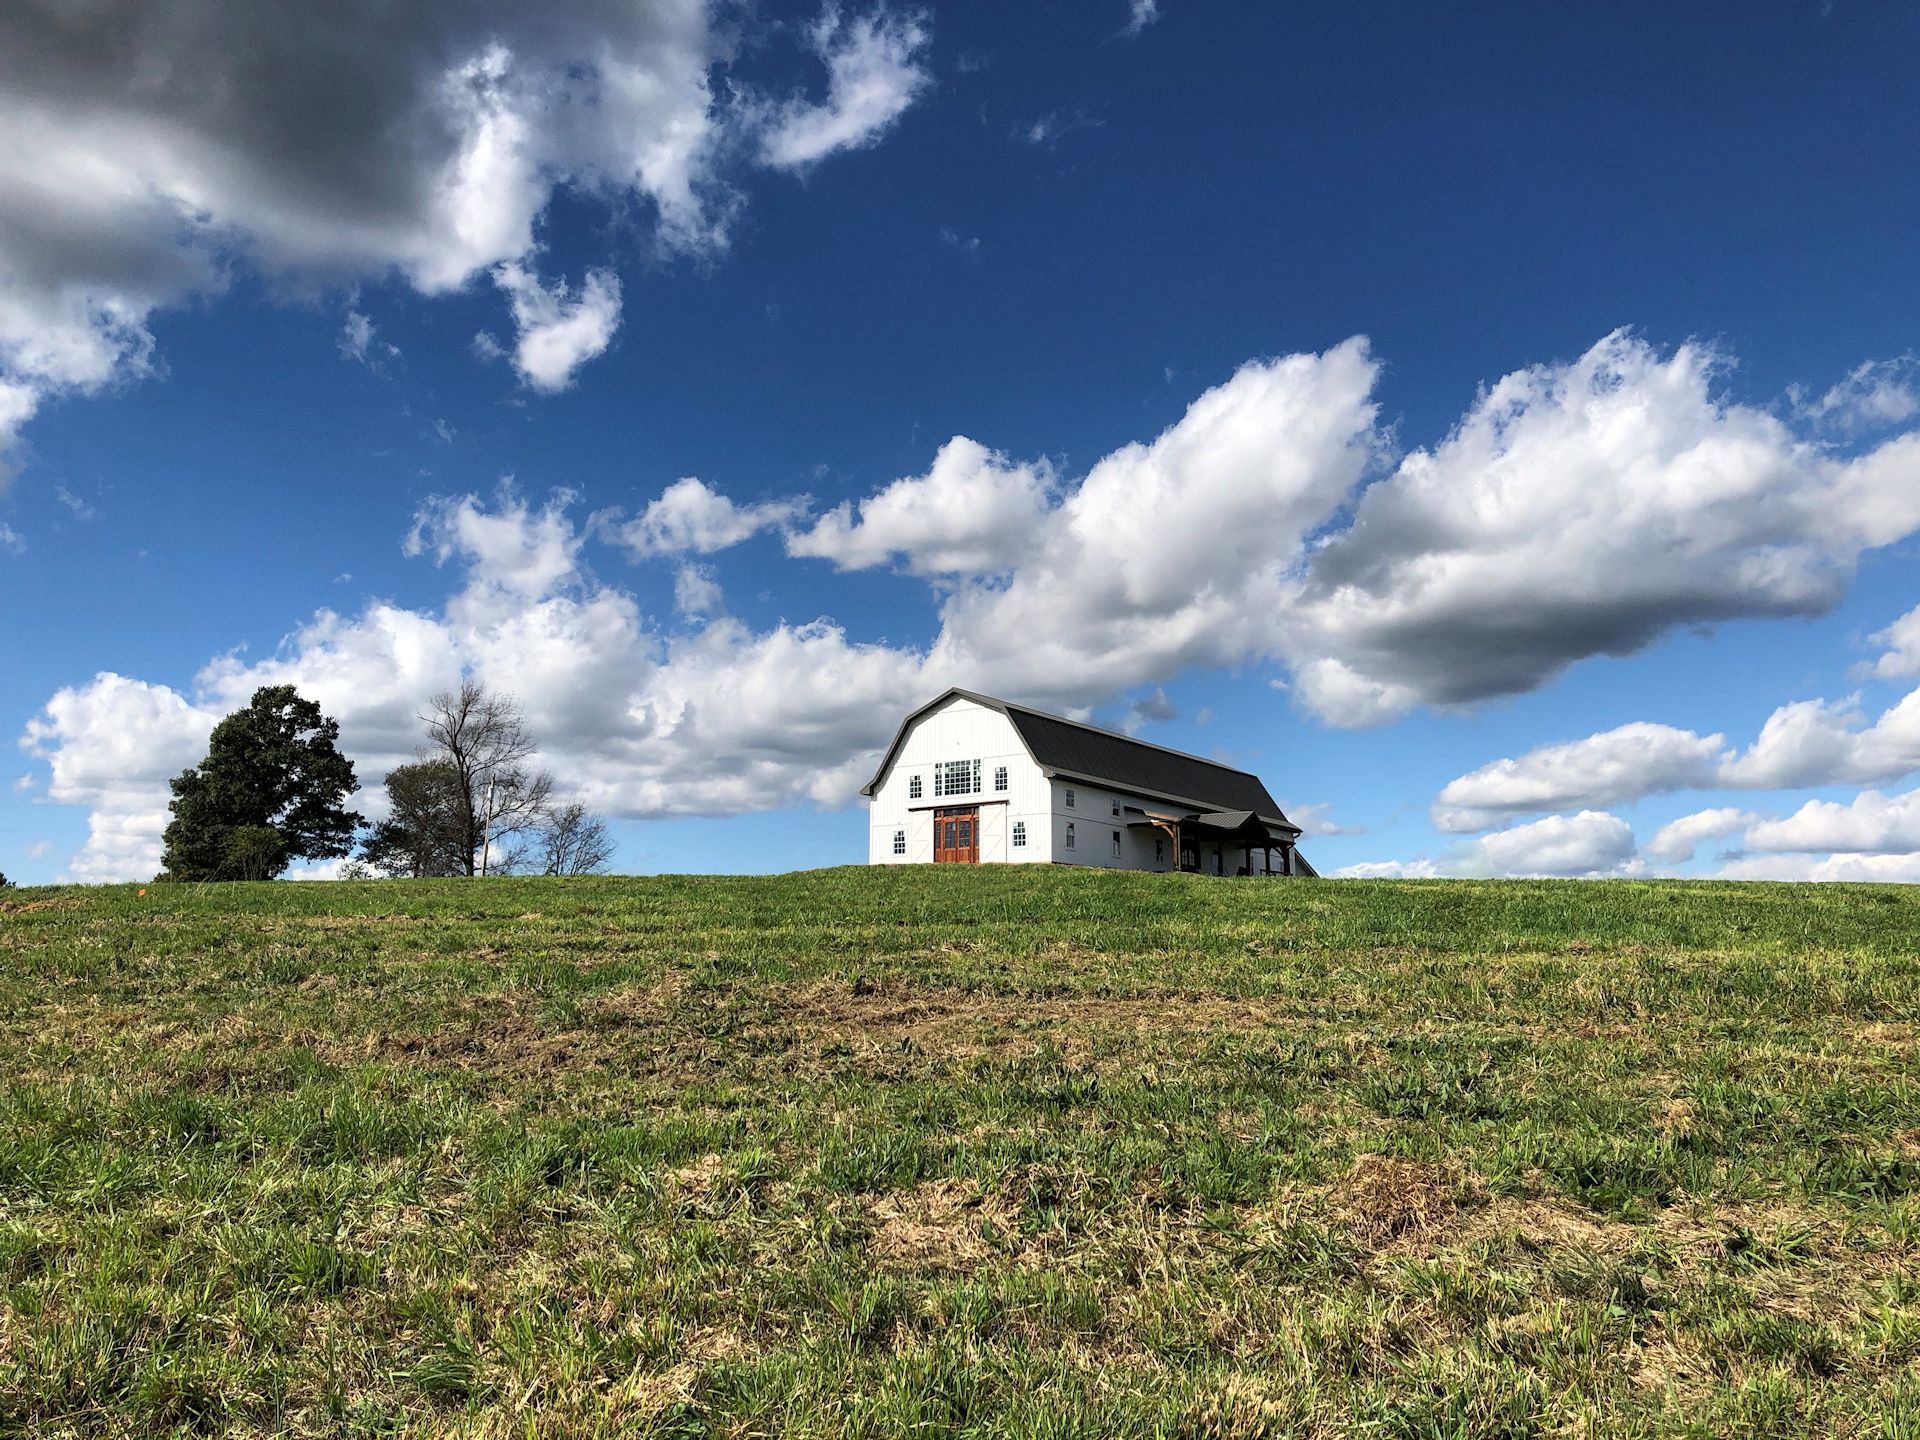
{"x": 1103, "y": 730}
{"x": 1031, "y": 723}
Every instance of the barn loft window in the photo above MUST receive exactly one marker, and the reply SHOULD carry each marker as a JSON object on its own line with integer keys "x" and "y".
{"x": 899, "y": 842}
{"x": 1116, "y": 844}
{"x": 1069, "y": 799}
{"x": 1019, "y": 834}
{"x": 913, "y": 787}
{"x": 957, "y": 777}
{"x": 1069, "y": 830}
{"x": 999, "y": 777}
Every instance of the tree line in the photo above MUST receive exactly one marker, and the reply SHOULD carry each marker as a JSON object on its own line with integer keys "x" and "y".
{"x": 273, "y": 789}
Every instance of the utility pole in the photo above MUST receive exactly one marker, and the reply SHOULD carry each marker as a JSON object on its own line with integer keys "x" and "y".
{"x": 486, "y": 829}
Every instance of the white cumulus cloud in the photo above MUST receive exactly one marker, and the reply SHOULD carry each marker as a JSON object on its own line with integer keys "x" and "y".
{"x": 1678, "y": 840}
{"x": 1591, "y": 845}
{"x": 155, "y": 148}
{"x": 1869, "y": 869}
{"x": 1619, "y": 764}
{"x": 695, "y": 591}
{"x": 1575, "y": 511}
{"x": 1585, "y": 509}
{"x": 1821, "y": 742}
{"x": 1804, "y": 743}
{"x": 1180, "y": 551}
{"x": 511, "y": 546}
{"x": 635, "y": 721}
{"x": 1902, "y": 655}
{"x": 155, "y": 151}
{"x": 1874, "y": 395}
{"x": 113, "y": 744}
{"x": 974, "y": 512}
{"x": 690, "y": 516}
{"x": 1419, "y": 868}
{"x": 1871, "y": 823}
{"x": 875, "y": 71}
{"x": 557, "y": 330}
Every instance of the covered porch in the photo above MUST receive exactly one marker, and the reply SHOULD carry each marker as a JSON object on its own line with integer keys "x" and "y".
{"x": 1226, "y": 842}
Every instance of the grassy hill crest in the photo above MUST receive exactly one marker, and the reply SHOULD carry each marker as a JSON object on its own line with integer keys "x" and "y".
{"x": 972, "y": 1152}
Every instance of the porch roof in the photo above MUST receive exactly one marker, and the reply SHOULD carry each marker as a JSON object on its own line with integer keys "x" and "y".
{"x": 1243, "y": 826}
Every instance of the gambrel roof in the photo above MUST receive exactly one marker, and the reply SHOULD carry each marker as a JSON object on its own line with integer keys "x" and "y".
{"x": 1074, "y": 750}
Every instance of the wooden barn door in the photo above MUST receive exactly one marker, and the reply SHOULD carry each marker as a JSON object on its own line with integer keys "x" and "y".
{"x": 956, "y": 837}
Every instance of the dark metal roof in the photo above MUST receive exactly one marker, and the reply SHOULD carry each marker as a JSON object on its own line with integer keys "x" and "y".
{"x": 1078, "y": 751}
{"x": 1230, "y": 819}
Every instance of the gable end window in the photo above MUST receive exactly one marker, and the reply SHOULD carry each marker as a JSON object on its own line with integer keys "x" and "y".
{"x": 1069, "y": 834}
{"x": 1069, "y": 799}
{"x": 1116, "y": 808}
{"x": 957, "y": 777}
{"x": 999, "y": 777}
{"x": 913, "y": 787}
{"x": 1019, "y": 834}
{"x": 899, "y": 842}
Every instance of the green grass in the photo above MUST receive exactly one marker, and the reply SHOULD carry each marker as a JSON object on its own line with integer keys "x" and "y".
{"x": 993, "y": 1152}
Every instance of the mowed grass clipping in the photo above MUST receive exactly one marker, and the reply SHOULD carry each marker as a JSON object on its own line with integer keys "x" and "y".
{"x": 995, "y": 1152}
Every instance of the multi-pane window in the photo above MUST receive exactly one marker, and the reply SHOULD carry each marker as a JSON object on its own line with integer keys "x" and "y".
{"x": 1159, "y": 849}
{"x": 899, "y": 842}
{"x": 1116, "y": 808}
{"x": 1069, "y": 799}
{"x": 999, "y": 777}
{"x": 1019, "y": 834}
{"x": 1069, "y": 831}
{"x": 913, "y": 787}
{"x": 956, "y": 777}
{"x": 1116, "y": 844}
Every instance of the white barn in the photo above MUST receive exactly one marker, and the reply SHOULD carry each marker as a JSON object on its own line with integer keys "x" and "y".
{"x": 970, "y": 779}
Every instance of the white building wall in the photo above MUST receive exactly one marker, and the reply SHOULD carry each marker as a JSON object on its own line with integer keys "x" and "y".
{"x": 961, "y": 730}
{"x": 1093, "y": 825}
{"x": 964, "y": 730}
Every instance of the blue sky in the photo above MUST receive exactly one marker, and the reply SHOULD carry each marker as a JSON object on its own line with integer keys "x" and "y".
{"x": 1497, "y": 427}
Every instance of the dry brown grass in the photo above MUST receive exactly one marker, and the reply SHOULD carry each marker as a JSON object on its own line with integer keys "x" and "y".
{"x": 938, "y": 1225}
{"x": 1387, "y": 1198}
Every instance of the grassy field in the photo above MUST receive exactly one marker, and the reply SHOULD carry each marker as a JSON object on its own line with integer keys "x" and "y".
{"x": 982, "y": 1152}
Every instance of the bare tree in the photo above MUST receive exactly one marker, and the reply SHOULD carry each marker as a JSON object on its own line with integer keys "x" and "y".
{"x": 572, "y": 841}
{"x": 484, "y": 737}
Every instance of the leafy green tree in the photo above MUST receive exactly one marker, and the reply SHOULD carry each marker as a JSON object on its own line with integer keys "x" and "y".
{"x": 423, "y": 832}
{"x": 254, "y": 852}
{"x": 270, "y": 791}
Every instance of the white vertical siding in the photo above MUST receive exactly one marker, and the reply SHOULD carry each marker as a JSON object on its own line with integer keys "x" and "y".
{"x": 964, "y": 730}
{"x": 1094, "y": 822}
{"x": 961, "y": 730}
{"x": 993, "y": 833}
